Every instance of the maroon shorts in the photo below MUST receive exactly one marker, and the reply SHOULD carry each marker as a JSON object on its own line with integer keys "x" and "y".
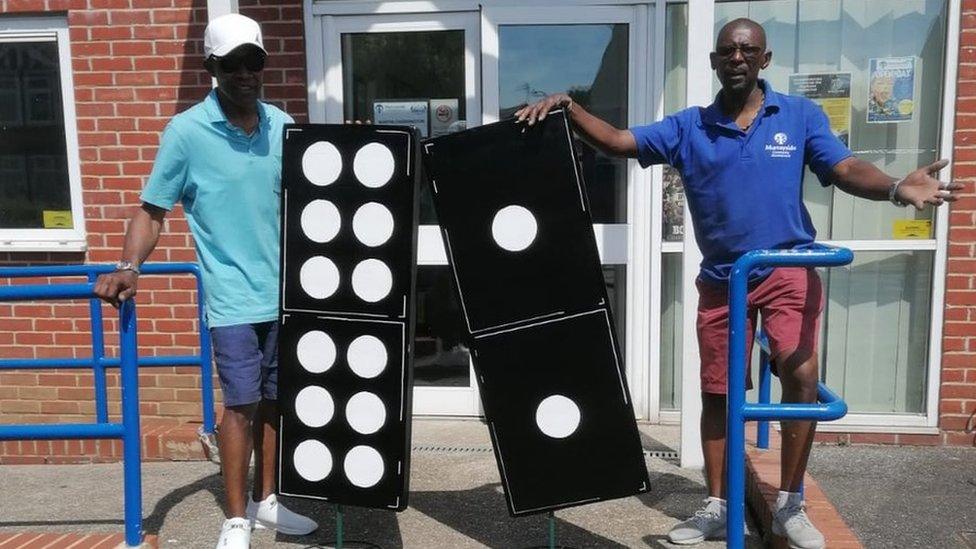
{"x": 790, "y": 300}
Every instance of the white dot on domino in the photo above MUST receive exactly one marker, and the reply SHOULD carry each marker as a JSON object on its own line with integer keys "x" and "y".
{"x": 373, "y": 165}
{"x": 314, "y": 406}
{"x": 372, "y": 280}
{"x": 514, "y": 228}
{"x": 557, "y": 416}
{"x": 322, "y": 163}
{"x": 365, "y": 413}
{"x": 363, "y": 466}
{"x": 373, "y": 224}
{"x": 319, "y": 277}
{"x": 313, "y": 461}
{"x": 321, "y": 221}
{"x": 316, "y": 351}
{"x": 367, "y": 356}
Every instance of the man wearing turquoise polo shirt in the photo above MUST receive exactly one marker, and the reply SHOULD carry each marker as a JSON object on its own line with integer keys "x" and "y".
{"x": 222, "y": 160}
{"x": 742, "y": 161}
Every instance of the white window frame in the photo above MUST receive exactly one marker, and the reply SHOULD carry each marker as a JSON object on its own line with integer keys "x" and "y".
{"x": 53, "y": 29}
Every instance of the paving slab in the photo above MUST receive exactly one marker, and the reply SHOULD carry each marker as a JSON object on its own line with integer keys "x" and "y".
{"x": 901, "y": 496}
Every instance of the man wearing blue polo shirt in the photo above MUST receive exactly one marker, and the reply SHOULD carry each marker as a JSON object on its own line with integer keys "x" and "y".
{"x": 742, "y": 161}
{"x": 222, "y": 160}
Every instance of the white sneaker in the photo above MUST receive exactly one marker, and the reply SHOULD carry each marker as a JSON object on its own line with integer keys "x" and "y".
{"x": 707, "y": 523}
{"x": 792, "y": 523}
{"x": 235, "y": 534}
{"x": 275, "y": 516}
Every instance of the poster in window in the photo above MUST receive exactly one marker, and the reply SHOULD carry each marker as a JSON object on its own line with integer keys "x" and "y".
{"x": 674, "y": 206}
{"x": 891, "y": 89}
{"x": 444, "y": 117}
{"x": 402, "y": 113}
{"x": 832, "y": 91}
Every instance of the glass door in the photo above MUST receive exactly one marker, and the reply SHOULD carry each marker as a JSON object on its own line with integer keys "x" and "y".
{"x": 421, "y": 70}
{"x": 598, "y": 56}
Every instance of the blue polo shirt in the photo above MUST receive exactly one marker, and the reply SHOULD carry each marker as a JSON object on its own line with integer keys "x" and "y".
{"x": 229, "y": 184}
{"x": 744, "y": 188}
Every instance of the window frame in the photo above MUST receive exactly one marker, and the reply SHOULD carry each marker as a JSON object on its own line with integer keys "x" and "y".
{"x": 51, "y": 29}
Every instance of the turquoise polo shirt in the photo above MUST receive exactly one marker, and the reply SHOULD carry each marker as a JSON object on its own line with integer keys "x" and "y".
{"x": 230, "y": 185}
{"x": 745, "y": 188}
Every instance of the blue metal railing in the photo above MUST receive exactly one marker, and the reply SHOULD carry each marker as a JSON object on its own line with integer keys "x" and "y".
{"x": 829, "y": 406}
{"x": 127, "y": 429}
{"x": 98, "y": 362}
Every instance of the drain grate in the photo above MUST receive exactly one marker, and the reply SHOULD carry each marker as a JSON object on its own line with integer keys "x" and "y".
{"x": 661, "y": 454}
{"x": 453, "y": 449}
{"x": 448, "y": 449}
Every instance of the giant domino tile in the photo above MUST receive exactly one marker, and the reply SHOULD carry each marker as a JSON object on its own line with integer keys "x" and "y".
{"x": 514, "y": 214}
{"x": 348, "y": 242}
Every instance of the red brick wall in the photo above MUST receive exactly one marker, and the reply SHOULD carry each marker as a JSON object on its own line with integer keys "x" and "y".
{"x": 135, "y": 64}
{"x": 957, "y": 407}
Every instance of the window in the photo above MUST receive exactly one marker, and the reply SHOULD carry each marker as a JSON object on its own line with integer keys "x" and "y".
{"x": 877, "y": 321}
{"x": 40, "y": 199}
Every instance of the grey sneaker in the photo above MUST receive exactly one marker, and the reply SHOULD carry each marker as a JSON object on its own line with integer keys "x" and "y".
{"x": 792, "y": 523}
{"x": 707, "y": 523}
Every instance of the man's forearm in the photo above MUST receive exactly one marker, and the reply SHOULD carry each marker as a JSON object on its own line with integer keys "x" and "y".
{"x": 601, "y": 135}
{"x": 862, "y": 179}
{"x": 142, "y": 235}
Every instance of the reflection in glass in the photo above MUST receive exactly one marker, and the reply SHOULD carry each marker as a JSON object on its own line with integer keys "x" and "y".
{"x": 615, "y": 277}
{"x": 35, "y": 191}
{"x": 671, "y": 331}
{"x": 588, "y": 62}
{"x": 877, "y": 331}
{"x": 440, "y": 357}
{"x": 417, "y": 68}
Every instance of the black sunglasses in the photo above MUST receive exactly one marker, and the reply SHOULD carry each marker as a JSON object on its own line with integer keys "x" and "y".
{"x": 748, "y": 52}
{"x": 253, "y": 61}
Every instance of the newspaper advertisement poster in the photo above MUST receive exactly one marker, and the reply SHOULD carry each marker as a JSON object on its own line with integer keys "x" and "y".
{"x": 832, "y": 91}
{"x": 402, "y": 113}
{"x": 674, "y": 206}
{"x": 891, "y": 89}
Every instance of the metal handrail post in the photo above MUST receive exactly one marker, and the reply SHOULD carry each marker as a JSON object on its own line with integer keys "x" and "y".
{"x": 737, "y": 411}
{"x": 765, "y": 388}
{"x": 735, "y": 434}
{"x": 98, "y": 355}
{"x": 206, "y": 362}
{"x": 131, "y": 439}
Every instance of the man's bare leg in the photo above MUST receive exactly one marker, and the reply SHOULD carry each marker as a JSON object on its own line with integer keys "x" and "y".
{"x": 798, "y": 374}
{"x": 713, "y": 442}
{"x": 265, "y": 430}
{"x": 235, "y": 441}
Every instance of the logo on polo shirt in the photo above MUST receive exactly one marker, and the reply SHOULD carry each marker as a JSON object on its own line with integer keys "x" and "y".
{"x": 781, "y": 149}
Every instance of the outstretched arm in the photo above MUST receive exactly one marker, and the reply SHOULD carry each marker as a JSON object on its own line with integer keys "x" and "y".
{"x": 863, "y": 179}
{"x": 608, "y": 139}
{"x": 140, "y": 240}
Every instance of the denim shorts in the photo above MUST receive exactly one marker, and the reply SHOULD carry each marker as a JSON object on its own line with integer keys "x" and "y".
{"x": 247, "y": 362}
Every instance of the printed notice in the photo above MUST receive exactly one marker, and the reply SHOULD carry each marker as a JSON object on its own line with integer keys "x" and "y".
{"x": 57, "y": 219}
{"x": 444, "y": 117}
{"x": 832, "y": 91}
{"x": 402, "y": 113}
{"x": 891, "y": 89}
{"x": 912, "y": 229}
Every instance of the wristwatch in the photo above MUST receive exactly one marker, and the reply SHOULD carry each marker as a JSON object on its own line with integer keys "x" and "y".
{"x": 893, "y": 194}
{"x": 126, "y": 265}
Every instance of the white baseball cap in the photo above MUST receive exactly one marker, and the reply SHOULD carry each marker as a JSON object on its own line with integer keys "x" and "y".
{"x": 231, "y": 31}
